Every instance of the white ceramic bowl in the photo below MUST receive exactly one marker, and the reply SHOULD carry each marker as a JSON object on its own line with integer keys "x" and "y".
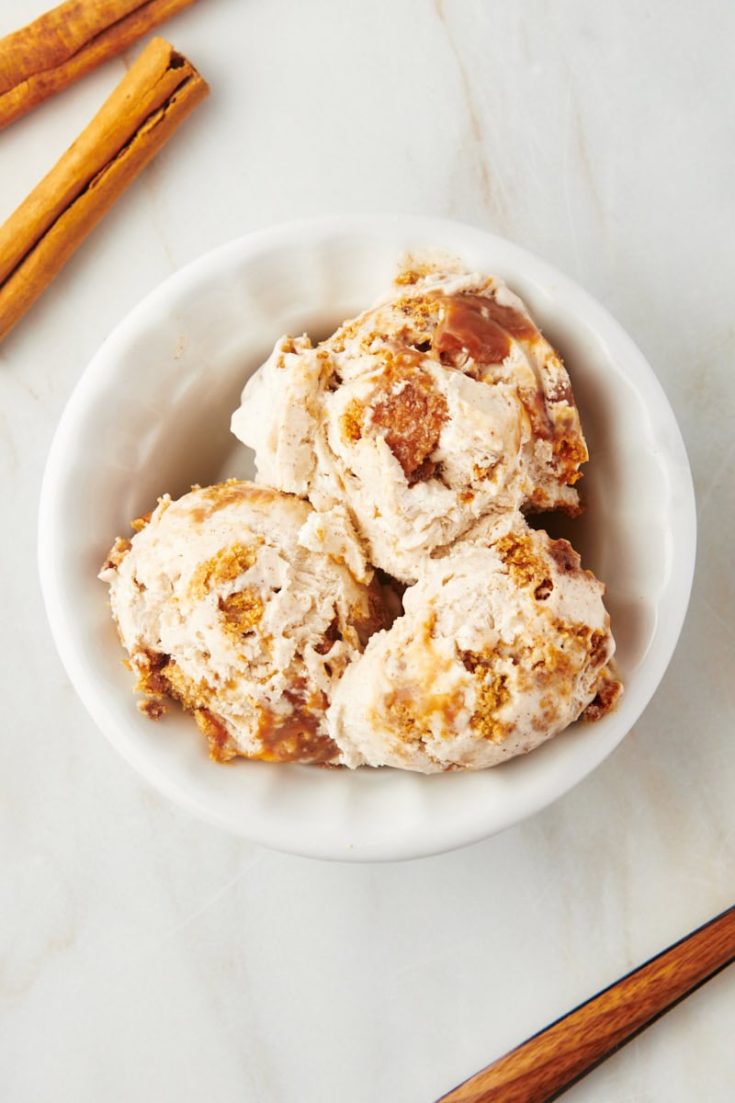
{"x": 151, "y": 414}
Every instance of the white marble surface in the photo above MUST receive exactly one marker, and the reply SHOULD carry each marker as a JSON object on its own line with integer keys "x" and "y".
{"x": 147, "y": 956}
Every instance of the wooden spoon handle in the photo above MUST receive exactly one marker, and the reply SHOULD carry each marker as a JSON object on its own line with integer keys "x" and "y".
{"x": 545, "y": 1065}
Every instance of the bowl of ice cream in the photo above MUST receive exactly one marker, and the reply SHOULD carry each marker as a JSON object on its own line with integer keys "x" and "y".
{"x": 435, "y": 465}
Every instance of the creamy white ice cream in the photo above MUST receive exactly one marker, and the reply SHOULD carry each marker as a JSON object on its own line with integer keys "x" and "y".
{"x": 504, "y": 642}
{"x": 220, "y": 606}
{"x": 441, "y": 404}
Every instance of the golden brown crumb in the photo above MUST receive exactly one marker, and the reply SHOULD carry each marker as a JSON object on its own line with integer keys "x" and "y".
{"x": 419, "y": 306}
{"x": 525, "y": 567}
{"x": 296, "y": 736}
{"x": 241, "y": 611}
{"x": 222, "y": 747}
{"x": 598, "y": 648}
{"x": 580, "y": 644}
{"x": 413, "y": 420}
{"x": 428, "y": 627}
{"x": 604, "y": 701}
{"x": 117, "y": 553}
{"x": 139, "y": 523}
{"x": 492, "y": 693}
{"x": 570, "y": 451}
{"x": 415, "y": 270}
{"x": 555, "y": 668}
{"x": 485, "y": 470}
{"x": 192, "y": 695}
{"x": 407, "y": 277}
{"x": 148, "y": 666}
{"x": 573, "y": 631}
{"x": 400, "y": 707}
{"x": 228, "y": 564}
{"x": 418, "y": 716}
{"x": 152, "y": 707}
{"x": 352, "y": 422}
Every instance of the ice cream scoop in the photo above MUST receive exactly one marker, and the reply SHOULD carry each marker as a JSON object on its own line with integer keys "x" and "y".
{"x": 221, "y": 607}
{"x": 441, "y": 404}
{"x": 504, "y": 642}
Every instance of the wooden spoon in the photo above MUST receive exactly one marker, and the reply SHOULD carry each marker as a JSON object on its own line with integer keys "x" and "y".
{"x": 551, "y": 1061}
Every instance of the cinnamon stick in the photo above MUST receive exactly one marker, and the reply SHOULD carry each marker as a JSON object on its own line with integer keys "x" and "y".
{"x": 68, "y": 41}
{"x": 142, "y": 113}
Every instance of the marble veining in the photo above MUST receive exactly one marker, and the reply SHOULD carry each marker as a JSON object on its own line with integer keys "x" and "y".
{"x": 149, "y": 956}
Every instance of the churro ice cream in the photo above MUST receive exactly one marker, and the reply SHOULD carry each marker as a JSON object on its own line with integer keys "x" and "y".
{"x": 220, "y": 606}
{"x": 503, "y": 643}
{"x": 441, "y": 404}
{"x": 406, "y": 449}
